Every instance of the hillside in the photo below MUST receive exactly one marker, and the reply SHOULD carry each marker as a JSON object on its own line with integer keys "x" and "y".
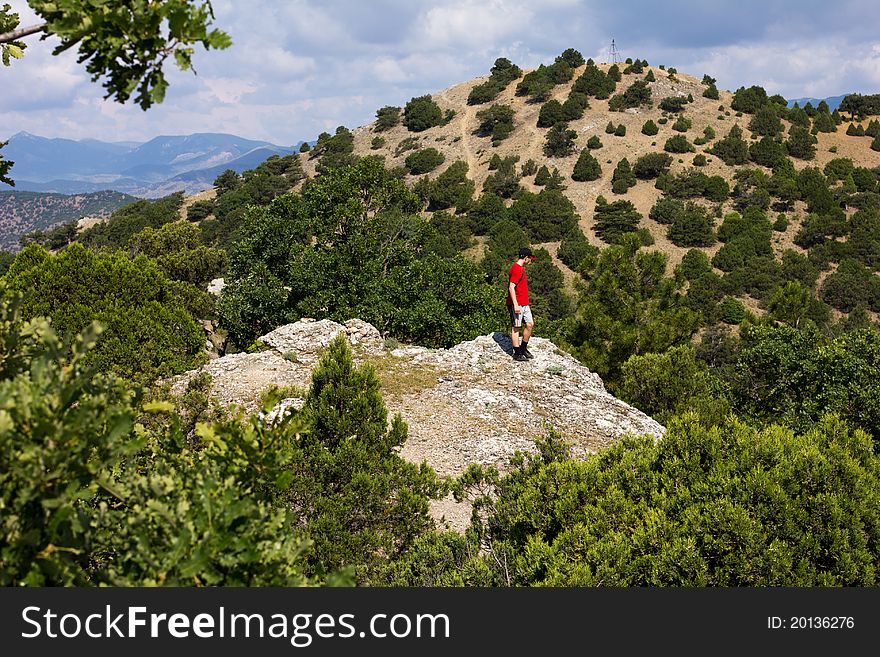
{"x": 460, "y": 140}
{"x": 24, "y": 212}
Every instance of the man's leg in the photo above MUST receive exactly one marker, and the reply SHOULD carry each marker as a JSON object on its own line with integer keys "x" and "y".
{"x": 527, "y": 332}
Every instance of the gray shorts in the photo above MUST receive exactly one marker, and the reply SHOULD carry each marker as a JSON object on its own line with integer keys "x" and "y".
{"x": 516, "y": 321}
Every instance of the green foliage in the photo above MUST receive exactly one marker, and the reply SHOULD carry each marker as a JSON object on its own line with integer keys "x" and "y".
{"x": 503, "y": 73}
{"x": 682, "y": 124}
{"x": 421, "y": 113}
{"x": 652, "y": 165}
{"x": 505, "y": 181}
{"x": 575, "y": 251}
{"x": 620, "y": 130}
{"x": 855, "y": 130}
{"x": 574, "y": 106}
{"x": 731, "y": 311}
{"x": 838, "y": 168}
{"x": 860, "y": 106}
{"x": 678, "y": 144}
{"x": 637, "y": 94}
{"x": 586, "y": 168}
{"x": 351, "y": 245}
{"x": 800, "y": 143}
{"x": 551, "y": 113}
{"x": 627, "y": 307}
{"x": 692, "y": 226}
{"x": 178, "y": 250}
{"x": 423, "y": 161}
{"x": 850, "y": 286}
{"x": 387, "y": 117}
{"x": 594, "y": 82}
{"x": 765, "y": 122}
{"x": 711, "y": 92}
{"x": 749, "y": 100}
{"x": 650, "y": 128}
{"x": 452, "y": 188}
{"x": 131, "y": 219}
{"x": 777, "y": 377}
{"x": 614, "y": 220}
{"x": 127, "y": 44}
{"x": 767, "y": 152}
{"x": 720, "y": 506}
{"x": 496, "y": 121}
{"x": 623, "y": 177}
{"x": 149, "y": 332}
{"x": 667, "y": 384}
{"x": 200, "y": 210}
{"x": 361, "y": 502}
{"x": 694, "y": 264}
{"x": 733, "y": 149}
{"x": 673, "y": 103}
{"x": 559, "y": 141}
{"x": 699, "y": 160}
{"x": 546, "y": 216}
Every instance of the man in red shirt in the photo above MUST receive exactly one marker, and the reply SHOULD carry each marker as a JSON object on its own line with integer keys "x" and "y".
{"x": 518, "y": 305}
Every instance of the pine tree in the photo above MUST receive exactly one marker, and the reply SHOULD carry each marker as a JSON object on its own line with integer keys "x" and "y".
{"x": 586, "y": 168}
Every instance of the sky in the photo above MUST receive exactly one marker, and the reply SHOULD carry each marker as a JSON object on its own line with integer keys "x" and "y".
{"x": 301, "y": 67}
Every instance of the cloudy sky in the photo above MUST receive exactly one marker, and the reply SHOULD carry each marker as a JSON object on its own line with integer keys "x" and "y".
{"x": 300, "y": 67}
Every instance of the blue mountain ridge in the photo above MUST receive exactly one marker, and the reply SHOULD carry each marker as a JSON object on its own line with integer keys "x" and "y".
{"x": 185, "y": 162}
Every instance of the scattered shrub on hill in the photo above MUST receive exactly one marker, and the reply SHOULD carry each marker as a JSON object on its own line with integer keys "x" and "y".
{"x": 496, "y": 121}
{"x": 620, "y": 130}
{"x": 574, "y": 106}
{"x": 650, "y": 128}
{"x": 178, "y": 250}
{"x": 452, "y": 188}
{"x": 800, "y": 143}
{"x": 200, "y": 210}
{"x": 575, "y": 251}
{"x": 732, "y": 149}
{"x": 505, "y": 181}
{"x": 673, "y": 103}
{"x": 652, "y": 165}
{"x": 614, "y": 220}
{"x": 551, "y": 113}
{"x": 594, "y": 143}
{"x": 529, "y": 168}
{"x": 637, "y": 94}
{"x": 748, "y": 100}
{"x": 559, "y": 141}
{"x": 546, "y": 216}
{"x": 421, "y": 113}
{"x": 855, "y": 130}
{"x": 767, "y": 152}
{"x": 765, "y": 122}
{"x": 692, "y": 226}
{"x": 423, "y": 161}
{"x": 623, "y": 177}
{"x": 694, "y": 264}
{"x": 850, "y": 286}
{"x": 678, "y": 144}
{"x": 387, "y": 117}
{"x": 594, "y": 82}
{"x": 586, "y": 168}
{"x": 838, "y": 168}
{"x": 682, "y": 124}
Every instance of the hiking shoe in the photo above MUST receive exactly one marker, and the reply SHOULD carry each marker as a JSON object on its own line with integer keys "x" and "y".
{"x": 525, "y": 352}
{"x": 519, "y": 357}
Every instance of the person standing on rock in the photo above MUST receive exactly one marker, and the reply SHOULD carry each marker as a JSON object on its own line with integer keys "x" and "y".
{"x": 518, "y": 305}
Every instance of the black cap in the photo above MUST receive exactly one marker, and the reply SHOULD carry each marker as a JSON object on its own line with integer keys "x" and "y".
{"x": 526, "y": 252}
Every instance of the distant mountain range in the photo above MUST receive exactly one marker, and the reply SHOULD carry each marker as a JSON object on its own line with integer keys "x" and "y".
{"x": 833, "y": 101}
{"x": 152, "y": 169}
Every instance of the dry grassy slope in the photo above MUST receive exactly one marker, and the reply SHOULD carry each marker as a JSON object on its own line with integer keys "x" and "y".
{"x": 458, "y": 140}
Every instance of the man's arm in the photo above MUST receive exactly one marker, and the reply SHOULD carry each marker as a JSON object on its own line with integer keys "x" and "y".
{"x": 512, "y": 289}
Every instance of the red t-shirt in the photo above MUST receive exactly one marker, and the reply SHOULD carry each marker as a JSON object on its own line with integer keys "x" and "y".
{"x": 522, "y": 289}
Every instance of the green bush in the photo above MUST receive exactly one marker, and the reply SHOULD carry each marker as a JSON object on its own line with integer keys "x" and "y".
{"x": 614, "y": 220}
{"x": 387, "y": 117}
{"x": 148, "y": 331}
{"x": 650, "y": 128}
{"x": 423, "y": 161}
{"x": 586, "y": 168}
{"x": 594, "y": 143}
{"x": 421, "y": 113}
{"x": 678, "y": 144}
{"x": 652, "y": 165}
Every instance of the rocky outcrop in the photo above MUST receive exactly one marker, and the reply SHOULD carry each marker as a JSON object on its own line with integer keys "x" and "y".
{"x": 469, "y": 404}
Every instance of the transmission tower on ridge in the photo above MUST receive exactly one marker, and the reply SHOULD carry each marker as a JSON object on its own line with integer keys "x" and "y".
{"x": 615, "y": 53}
